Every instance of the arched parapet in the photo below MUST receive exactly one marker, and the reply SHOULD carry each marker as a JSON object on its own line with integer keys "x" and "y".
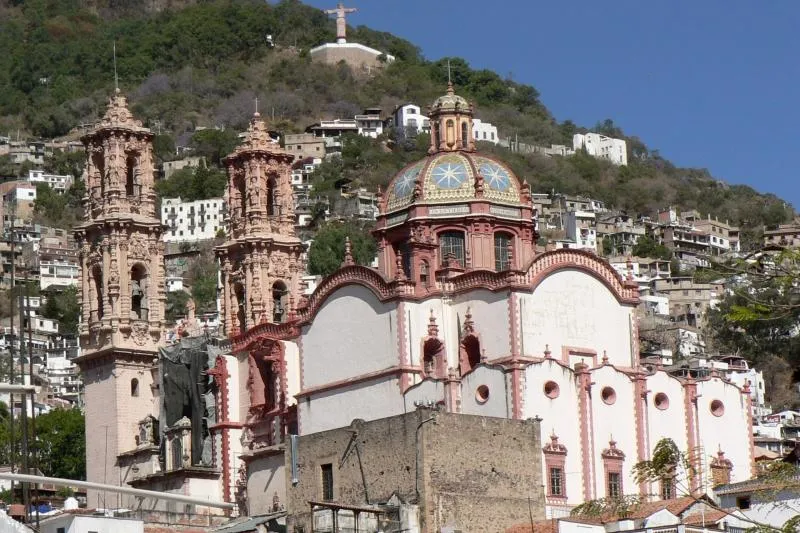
{"x": 547, "y": 263}
{"x": 347, "y": 275}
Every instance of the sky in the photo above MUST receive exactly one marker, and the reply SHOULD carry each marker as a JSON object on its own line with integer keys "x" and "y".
{"x": 710, "y": 84}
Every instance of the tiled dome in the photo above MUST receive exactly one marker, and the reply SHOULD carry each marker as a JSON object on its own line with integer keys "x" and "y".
{"x": 449, "y": 177}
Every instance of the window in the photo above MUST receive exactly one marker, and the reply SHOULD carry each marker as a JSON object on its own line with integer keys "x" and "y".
{"x": 667, "y": 488}
{"x": 405, "y": 259}
{"x": 134, "y": 387}
{"x": 614, "y": 485}
{"x": 464, "y": 136}
{"x": 452, "y": 244}
{"x": 327, "y": 481}
{"x": 556, "y": 482}
{"x": 424, "y": 273}
{"x": 502, "y": 247}
{"x": 61, "y": 530}
{"x": 177, "y": 453}
{"x": 743, "y": 502}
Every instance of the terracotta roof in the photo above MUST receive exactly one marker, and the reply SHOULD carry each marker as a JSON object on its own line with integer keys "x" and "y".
{"x": 711, "y": 516}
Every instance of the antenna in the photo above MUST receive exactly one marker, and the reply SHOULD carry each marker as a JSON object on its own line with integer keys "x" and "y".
{"x": 116, "y": 78}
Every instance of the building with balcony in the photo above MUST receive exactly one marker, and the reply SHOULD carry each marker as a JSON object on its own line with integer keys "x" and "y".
{"x": 784, "y": 235}
{"x": 304, "y": 145}
{"x": 723, "y": 238}
{"x": 199, "y": 220}
{"x": 619, "y": 233}
{"x": 168, "y": 168}
{"x": 688, "y": 301}
{"x": 369, "y": 123}
{"x": 580, "y": 228}
{"x": 409, "y": 120}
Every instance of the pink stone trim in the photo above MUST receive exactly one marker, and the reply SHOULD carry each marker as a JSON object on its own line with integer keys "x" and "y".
{"x": 402, "y": 346}
{"x": 221, "y": 376}
{"x": 513, "y": 326}
{"x": 567, "y": 351}
{"x": 395, "y": 370}
{"x": 689, "y": 402}
{"x": 640, "y": 407}
{"x": 584, "y": 409}
{"x": 750, "y": 436}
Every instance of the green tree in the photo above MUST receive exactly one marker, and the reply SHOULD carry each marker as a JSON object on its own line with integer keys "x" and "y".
{"x": 646, "y": 246}
{"x": 61, "y": 443}
{"x": 63, "y": 306}
{"x": 176, "y": 305}
{"x": 214, "y": 144}
{"x": 327, "y": 251}
{"x": 193, "y": 183}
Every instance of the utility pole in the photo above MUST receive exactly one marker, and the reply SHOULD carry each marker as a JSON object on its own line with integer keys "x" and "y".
{"x": 11, "y": 347}
{"x": 32, "y": 442}
{"x": 26, "y": 500}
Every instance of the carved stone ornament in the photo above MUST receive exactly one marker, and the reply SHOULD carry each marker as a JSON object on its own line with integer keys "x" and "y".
{"x": 138, "y": 247}
{"x": 139, "y": 332}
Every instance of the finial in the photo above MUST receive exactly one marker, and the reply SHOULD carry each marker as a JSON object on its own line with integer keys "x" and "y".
{"x": 400, "y": 274}
{"x": 348, "y": 252}
{"x": 469, "y": 325}
{"x": 605, "y": 357}
{"x": 116, "y": 78}
{"x": 450, "y": 89}
{"x": 547, "y": 351}
{"x": 256, "y": 114}
{"x": 433, "y": 329}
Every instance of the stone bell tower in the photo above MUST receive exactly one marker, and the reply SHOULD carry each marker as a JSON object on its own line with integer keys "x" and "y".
{"x": 261, "y": 258}
{"x": 122, "y": 293}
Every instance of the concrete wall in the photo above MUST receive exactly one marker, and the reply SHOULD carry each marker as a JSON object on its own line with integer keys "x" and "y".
{"x": 266, "y": 478}
{"x": 572, "y": 309}
{"x": 475, "y": 473}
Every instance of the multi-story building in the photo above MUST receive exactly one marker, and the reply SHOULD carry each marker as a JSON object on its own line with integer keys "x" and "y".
{"x": 359, "y": 203}
{"x": 600, "y": 146}
{"x": 580, "y": 228}
{"x": 27, "y": 152}
{"x": 304, "y": 145}
{"x": 688, "y": 301}
{"x": 18, "y": 202}
{"x": 785, "y": 235}
{"x": 619, "y": 232}
{"x": 409, "y": 119}
{"x": 723, "y": 238}
{"x": 369, "y": 123}
{"x": 168, "y": 168}
{"x": 199, "y": 220}
{"x": 485, "y": 131}
{"x": 57, "y": 182}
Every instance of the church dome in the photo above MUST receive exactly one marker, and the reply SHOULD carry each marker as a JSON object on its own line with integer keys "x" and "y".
{"x": 451, "y": 102}
{"x": 450, "y": 177}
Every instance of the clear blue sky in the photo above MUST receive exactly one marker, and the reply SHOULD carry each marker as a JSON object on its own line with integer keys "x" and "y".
{"x": 709, "y": 83}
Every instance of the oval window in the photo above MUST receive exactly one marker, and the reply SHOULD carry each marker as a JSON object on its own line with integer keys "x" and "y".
{"x": 608, "y": 395}
{"x": 661, "y": 401}
{"x": 482, "y": 394}
{"x": 551, "y": 390}
{"x": 717, "y": 408}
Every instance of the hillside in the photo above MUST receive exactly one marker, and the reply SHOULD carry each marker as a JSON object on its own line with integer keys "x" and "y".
{"x": 205, "y": 63}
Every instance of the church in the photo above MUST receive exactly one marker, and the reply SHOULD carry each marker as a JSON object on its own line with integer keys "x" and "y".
{"x": 462, "y": 313}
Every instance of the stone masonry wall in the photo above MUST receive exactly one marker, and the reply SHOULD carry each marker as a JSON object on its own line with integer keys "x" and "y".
{"x": 475, "y": 472}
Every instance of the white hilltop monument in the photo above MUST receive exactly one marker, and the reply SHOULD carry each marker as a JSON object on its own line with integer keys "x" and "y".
{"x": 354, "y": 54}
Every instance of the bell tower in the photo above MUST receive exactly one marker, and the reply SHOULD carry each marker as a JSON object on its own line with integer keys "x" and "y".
{"x": 261, "y": 258}
{"x": 122, "y": 292}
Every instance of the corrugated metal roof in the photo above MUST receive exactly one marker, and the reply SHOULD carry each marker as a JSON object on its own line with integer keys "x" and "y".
{"x": 246, "y": 524}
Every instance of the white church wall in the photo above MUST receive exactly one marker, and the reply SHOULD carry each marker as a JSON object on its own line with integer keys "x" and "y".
{"x": 369, "y": 400}
{"x": 572, "y": 309}
{"x": 267, "y": 477}
{"x": 425, "y": 392}
{"x": 291, "y": 355}
{"x": 484, "y": 392}
{"x": 613, "y": 419}
{"x": 352, "y": 334}
{"x": 490, "y": 314}
{"x": 666, "y": 410}
{"x": 558, "y": 408}
{"x": 417, "y": 316}
{"x": 728, "y": 430}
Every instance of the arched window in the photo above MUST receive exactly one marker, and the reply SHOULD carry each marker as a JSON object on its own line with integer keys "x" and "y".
{"x": 451, "y": 244}
{"x": 279, "y": 297}
{"x": 450, "y": 133}
{"x": 130, "y": 174}
{"x": 97, "y": 276}
{"x": 177, "y": 453}
{"x": 436, "y": 138}
{"x": 464, "y": 135}
{"x": 134, "y": 387}
{"x": 502, "y": 248}
{"x": 100, "y": 164}
{"x": 471, "y": 348}
{"x": 238, "y": 291}
{"x": 139, "y": 304}
{"x": 242, "y": 189}
{"x": 405, "y": 258}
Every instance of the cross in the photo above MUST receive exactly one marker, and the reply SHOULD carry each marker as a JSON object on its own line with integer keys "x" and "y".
{"x": 341, "y": 23}
{"x": 449, "y": 81}
{"x": 256, "y": 105}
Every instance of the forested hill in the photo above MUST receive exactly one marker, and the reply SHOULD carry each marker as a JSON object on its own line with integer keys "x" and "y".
{"x": 186, "y": 64}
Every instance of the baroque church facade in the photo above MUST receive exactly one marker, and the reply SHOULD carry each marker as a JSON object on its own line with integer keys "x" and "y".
{"x": 461, "y": 313}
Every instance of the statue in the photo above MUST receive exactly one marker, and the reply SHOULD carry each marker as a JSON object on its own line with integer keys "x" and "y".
{"x": 341, "y": 23}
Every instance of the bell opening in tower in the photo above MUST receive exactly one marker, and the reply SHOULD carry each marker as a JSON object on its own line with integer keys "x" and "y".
{"x": 279, "y": 297}
{"x": 464, "y": 136}
{"x": 99, "y": 163}
{"x": 130, "y": 175}
{"x": 97, "y": 277}
{"x": 238, "y": 291}
{"x": 272, "y": 205}
{"x": 139, "y": 307}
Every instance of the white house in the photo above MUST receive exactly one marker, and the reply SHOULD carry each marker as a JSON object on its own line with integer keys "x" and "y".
{"x": 56, "y": 182}
{"x": 369, "y": 122}
{"x": 409, "y": 117}
{"x": 580, "y": 227}
{"x": 79, "y": 522}
{"x": 192, "y": 221}
{"x": 615, "y": 150}
{"x": 484, "y": 131}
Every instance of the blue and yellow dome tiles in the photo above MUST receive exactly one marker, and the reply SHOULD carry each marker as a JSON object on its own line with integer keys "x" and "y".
{"x": 450, "y": 177}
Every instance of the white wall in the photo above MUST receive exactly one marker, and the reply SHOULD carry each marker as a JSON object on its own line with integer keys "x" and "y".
{"x": 484, "y": 131}
{"x": 498, "y": 402}
{"x": 352, "y": 334}
{"x": 179, "y": 227}
{"x": 572, "y": 308}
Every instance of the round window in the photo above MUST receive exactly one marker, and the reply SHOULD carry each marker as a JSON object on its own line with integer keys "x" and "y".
{"x": 609, "y": 395}
{"x": 482, "y": 394}
{"x": 661, "y": 401}
{"x": 551, "y": 390}
{"x": 717, "y": 408}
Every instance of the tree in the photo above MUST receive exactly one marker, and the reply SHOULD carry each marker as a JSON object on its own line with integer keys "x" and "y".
{"x": 327, "y": 251}
{"x": 63, "y": 306}
{"x": 61, "y": 443}
{"x": 176, "y": 305}
{"x": 193, "y": 183}
{"x": 202, "y": 279}
{"x": 646, "y": 246}
{"x": 214, "y": 144}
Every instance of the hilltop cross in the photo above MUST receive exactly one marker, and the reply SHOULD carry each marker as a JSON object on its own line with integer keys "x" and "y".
{"x": 341, "y": 22}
